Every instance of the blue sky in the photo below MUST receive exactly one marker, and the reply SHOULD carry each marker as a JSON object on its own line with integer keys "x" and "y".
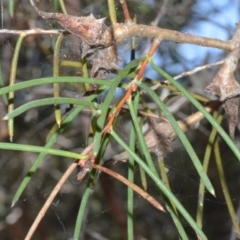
{"x": 218, "y": 24}
{"x": 214, "y": 26}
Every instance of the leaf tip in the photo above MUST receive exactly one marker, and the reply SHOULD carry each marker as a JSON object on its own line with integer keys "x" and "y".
{"x": 213, "y": 192}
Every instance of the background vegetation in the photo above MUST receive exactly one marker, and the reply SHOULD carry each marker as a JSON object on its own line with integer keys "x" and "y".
{"x": 105, "y": 215}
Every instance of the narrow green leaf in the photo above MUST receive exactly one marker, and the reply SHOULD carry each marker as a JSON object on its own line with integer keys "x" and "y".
{"x": 225, "y": 189}
{"x": 206, "y": 159}
{"x": 53, "y": 138}
{"x": 107, "y": 102}
{"x": 112, "y": 11}
{"x": 221, "y": 131}
{"x": 84, "y": 69}
{"x": 161, "y": 186}
{"x": 49, "y": 80}
{"x": 56, "y": 87}
{"x": 181, "y": 136}
{"x": 55, "y": 5}
{"x": 83, "y": 205}
{"x": 151, "y": 165}
{"x": 142, "y": 143}
{"x": 30, "y": 148}
{"x": 177, "y": 223}
{"x": 11, "y": 5}
{"x": 62, "y": 5}
{"x": 12, "y": 82}
{"x": 49, "y": 101}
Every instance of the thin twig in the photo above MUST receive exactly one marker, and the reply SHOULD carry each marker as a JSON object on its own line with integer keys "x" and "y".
{"x": 162, "y": 11}
{"x": 125, "y": 11}
{"x": 53, "y": 195}
{"x": 32, "y": 31}
{"x": 137, "y": 189}
{"x": 118, "y": 33}
{"x": 164, "y": 127}
{"x": 86, "y": 167}
{"x": 50, "y": 200}
{"x": 188, "y": 73}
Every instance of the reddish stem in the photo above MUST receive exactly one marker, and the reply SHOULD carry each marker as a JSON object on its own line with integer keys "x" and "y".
{"x": 125, "y": 11}
{"x": 132, "y": 87}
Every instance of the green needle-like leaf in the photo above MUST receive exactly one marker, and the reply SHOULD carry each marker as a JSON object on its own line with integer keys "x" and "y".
{"x": 160, "y": 184}
{"x": 49, "y": 101}
{"x": 208, "y": 116}
{"x": 51, "y": 141}
{"x": 30, "y": 148}
{"x": 56, "y": 86}
{"x": 83, "y": 205}
{"x": 181, "y": 136}
{"x": 107, "y": 102}
{"x": 12, "y": 80}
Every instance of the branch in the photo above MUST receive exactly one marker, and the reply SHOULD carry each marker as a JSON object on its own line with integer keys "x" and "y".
{"x": 118, "y": 33}
{"x": 95, "y": 33}
{"x": 32, "y": 31}
{"x": 125, "y": 181}
{"x": 123, "y": 31}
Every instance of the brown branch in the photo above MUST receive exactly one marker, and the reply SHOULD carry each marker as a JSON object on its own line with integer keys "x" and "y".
{"x": 118, "y": 109}
{"x": 153, "y": 48}
{"x": 123, "y": 31}
{"x": 32, "y": 31}
{"x": 161, "y": 13}
{"x": 94, "y": 32}
{"x": 137, "y": 189}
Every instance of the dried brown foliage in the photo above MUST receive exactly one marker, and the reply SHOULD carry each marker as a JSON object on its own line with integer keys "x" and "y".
{"x": 100, "y": 55}
{"x": 226, "y": 87}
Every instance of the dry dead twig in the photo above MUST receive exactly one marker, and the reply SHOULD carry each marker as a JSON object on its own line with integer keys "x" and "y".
{"x": 137, "y": 189}
{"x": 53, "y": 194}
{"x": 225, "y": 85}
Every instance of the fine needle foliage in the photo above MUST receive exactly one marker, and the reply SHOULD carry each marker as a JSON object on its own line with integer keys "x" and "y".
{"x": 110, "y": 138}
